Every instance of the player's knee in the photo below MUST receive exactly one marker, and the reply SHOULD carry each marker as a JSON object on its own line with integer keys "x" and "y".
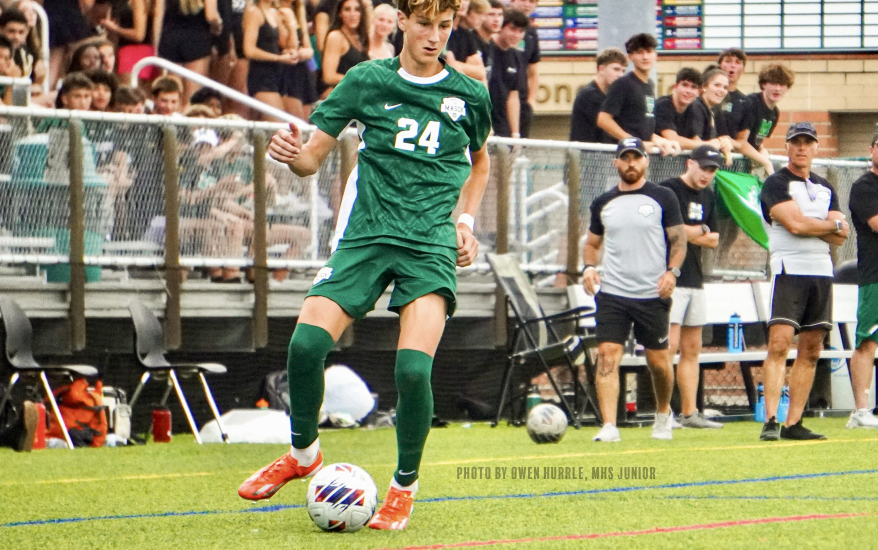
{"x": 412, "y": 376}
{"x": 309, "y": 345}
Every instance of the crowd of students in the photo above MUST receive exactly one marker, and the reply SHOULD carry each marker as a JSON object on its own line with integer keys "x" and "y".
{"x": 703, "y": 107}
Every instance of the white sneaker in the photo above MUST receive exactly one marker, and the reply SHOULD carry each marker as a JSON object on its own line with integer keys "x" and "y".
{"x": 862, "y": 418}
{"x": 662, "y": 429}
{"x": 608, "y": 433}
{"x": 675, "y": 424}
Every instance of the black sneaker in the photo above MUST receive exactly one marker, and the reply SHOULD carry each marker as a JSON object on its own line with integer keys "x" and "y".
{"x": 770, "y": 430}
{"x": 799, "y": 432}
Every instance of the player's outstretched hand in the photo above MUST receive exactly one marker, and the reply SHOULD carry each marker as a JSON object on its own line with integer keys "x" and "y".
{"x": 666, "y": 284}
{"x": 467, "y": 246}
{"x": 285, "y": 144}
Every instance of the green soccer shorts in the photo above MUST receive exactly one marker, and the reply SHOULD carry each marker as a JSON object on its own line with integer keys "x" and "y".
{"x": 867, "y": 314}
{"x": 355, "y": 278}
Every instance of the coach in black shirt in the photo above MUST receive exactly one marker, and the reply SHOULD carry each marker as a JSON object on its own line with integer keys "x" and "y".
{"x": 628, "y": 110}
{"x": 864, "y": 216}
{"x": 611, "y": 64}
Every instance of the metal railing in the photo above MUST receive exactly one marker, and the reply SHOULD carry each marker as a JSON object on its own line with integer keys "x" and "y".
{"x": 208, "y": 83}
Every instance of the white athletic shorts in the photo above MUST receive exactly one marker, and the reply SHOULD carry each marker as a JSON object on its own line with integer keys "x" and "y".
{"x": 689, "y": 308}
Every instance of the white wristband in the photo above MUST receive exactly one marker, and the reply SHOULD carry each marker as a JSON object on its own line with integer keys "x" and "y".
{"x": 467, "y": 220}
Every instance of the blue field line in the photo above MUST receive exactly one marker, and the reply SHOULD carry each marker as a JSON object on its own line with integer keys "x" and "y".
{"x": 760, "y": 497}
{"x": 281, "y": 507}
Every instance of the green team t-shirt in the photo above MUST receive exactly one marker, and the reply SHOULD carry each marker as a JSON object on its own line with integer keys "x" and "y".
{"x": 412, "y": 162}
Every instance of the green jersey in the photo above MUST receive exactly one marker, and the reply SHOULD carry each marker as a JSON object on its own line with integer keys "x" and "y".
{"x": 413, "y": 159}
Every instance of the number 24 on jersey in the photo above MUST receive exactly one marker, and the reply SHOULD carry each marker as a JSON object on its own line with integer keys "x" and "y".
{"x": 429, "y": 138}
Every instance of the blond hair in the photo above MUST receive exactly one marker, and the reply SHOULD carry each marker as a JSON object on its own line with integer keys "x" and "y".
{"x": 430, "y": 8}
{"x": 479, "y": 6}
{"x": 191, "y": 7}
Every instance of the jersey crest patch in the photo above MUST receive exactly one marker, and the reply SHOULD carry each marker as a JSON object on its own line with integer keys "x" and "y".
{"x": 646, "y": 210}
{"x": 454, "y": 106}
{"x": 322, "y": 275}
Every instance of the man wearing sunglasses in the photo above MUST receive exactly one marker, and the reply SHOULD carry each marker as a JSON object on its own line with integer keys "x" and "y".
{"x": 804, "y": 218}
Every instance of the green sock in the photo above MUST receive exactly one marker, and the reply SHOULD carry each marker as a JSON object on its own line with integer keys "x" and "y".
{"x": 414, "y": 411}
{"x": 308, "y": 349}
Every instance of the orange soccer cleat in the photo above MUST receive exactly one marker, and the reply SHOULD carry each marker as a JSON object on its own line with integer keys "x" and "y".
{"x": 267, "y": 481}
{"x": 395, "y": 510}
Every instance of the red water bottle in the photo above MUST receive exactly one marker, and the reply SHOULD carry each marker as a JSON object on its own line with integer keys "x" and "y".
{"x": 40, "y": 433}
{"x": 161, "y": 425}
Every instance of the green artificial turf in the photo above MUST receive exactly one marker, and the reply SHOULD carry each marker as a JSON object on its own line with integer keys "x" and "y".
{"x": 129, "y": 493}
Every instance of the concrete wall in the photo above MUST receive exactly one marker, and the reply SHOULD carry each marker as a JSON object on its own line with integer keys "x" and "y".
{"x": 826, "y": 88}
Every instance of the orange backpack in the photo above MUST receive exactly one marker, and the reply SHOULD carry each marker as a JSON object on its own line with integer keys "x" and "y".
{"x": 83, "y": 414}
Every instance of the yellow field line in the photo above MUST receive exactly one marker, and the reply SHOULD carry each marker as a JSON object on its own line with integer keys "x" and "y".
{"x": 465, "y": 461}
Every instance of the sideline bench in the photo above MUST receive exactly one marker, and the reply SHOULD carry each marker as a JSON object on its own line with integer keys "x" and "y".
{"x": 752, "y": 302}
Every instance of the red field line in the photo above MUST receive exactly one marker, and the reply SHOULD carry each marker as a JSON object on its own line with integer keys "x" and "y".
{"x": 653, "y": 531}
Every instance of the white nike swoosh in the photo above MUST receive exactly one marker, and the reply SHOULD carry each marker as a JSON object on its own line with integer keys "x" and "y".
{"x": 406, "y": 473}
{"x": 662, "y": 341}
{"x": 391, "y": 107}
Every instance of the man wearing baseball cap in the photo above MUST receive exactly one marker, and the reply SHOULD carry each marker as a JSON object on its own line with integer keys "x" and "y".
{"x": 689, "y": 309}
{"x": 802, "y": 211}
{"x": 639, "y": 226}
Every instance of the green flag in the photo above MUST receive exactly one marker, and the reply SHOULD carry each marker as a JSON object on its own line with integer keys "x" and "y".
{"x": 740, "y": 195}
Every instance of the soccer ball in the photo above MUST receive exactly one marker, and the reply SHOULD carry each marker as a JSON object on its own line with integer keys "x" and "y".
{"x": 546, "y": 423}
{"x": 342, "y": 498}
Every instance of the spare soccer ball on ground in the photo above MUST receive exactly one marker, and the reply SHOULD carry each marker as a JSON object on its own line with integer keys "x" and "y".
{"x": 342, "y": 498}
{"x": 546, "y": 423}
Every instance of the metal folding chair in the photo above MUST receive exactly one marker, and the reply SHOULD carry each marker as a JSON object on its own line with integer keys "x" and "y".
{"x": 149, "y": 349}
{"x": 19, "y": 356}
{"x": 537, "y": 345}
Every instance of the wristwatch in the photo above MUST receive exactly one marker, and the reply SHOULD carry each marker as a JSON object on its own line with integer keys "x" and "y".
{"x": 838, "y": 226}
{"x": 675, "y": 271}
{"x": 705, "y": 229}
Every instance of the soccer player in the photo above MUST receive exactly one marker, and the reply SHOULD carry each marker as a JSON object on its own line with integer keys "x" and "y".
{"x": 689, "y": 308}
{"x": 864, "y": 217}
{"x": 420, "y": 118}
{"x": 802, "y": 211}
{"x": 639, "y": 225}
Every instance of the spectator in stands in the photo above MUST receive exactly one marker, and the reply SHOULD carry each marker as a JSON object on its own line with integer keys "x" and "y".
{"x": 209, "y": 98}
{"x": 167, "y": 92}
{"x": 639, "y": 226}
{"x": 864, "y": 217}
{"x": 108, "y": 55}
{"x": 530, "y": 50}
{"x": 759, "y": 110}
{"x": 199, "y": 110}
{"x": 263, "y": 34}
{"x": 240, "y": 66}
{"x": 462, "y": 52}
{"x": 733, "y": 61}
{"x": 669, "y": 109}
{"x": 508, "y": 80}
{"x": 629, "y": 108}
{"x": 347, "y": 43}
{"x": 701, "y": 122}
{"x": 86, "y": 57}
{"x": 804, "y": 218}
{"x": 15, "y": 27}
{"x": 7, "y": 68}
{"x": 130, "y": 101}
{"x": 130, "y": 24}
{"x": 298, "y": 91}
{"x": 67, "y": 27}
{"x": 222, "y": 57}
{"x": 383, "y": 24}
{"x": 184, "y": 30}
{"x": 324, "y": 14}
{"x": 689, "y": 307}
{"x": 475, "y": 15}
{"x": 104, "y": 91}
{"x": 491, "y": 24}
{"x": 75, "y": 92}
{"x": 611, "y": 63}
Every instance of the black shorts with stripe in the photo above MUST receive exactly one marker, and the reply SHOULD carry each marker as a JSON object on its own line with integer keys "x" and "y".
{"x": 802, "y": 301}
{"x": 650, "y": 318}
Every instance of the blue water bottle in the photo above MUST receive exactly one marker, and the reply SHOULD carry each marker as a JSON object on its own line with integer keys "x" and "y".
{"x": 735, "y": 336}
{"x": 784, "y": 407}
{"x": 759, "y": 415}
